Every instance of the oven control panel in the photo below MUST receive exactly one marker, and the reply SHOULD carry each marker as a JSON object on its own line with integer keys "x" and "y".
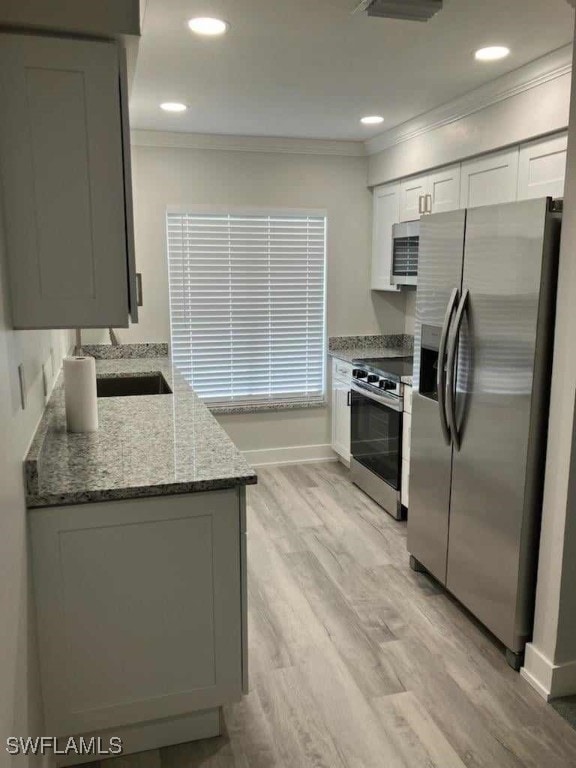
{"x": 377, "y": 381}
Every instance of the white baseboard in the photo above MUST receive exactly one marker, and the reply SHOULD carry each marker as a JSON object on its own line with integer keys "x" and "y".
{"x": 294, "y": 454}
{"x": 550, "y": 680}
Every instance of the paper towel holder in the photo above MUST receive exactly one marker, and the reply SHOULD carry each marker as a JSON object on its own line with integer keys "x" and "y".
{"x": 78, "y": 345}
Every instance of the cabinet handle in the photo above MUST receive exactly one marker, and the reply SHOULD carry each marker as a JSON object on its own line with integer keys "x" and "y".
{"x": 139, "y": 294}
{"x": 428, "y": 203}
{"x": 421, "y": 206}
{"x": 349, "y": 398}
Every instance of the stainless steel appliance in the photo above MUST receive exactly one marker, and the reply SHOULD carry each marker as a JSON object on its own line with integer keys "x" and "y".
{"x": 405, "y": 246}
{"x": 376, "y": 436}
{"x": 482, "y": 362}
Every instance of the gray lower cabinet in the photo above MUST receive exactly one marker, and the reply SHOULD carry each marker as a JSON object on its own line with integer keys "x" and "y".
{"x": 65, "y": 180}
{"x": 141, "y": 608}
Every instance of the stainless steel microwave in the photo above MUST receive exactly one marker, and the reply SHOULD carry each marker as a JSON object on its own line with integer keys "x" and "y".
{"x": 405, "y": 244}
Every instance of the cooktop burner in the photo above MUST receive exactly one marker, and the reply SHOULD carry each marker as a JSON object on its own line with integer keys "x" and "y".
{"x": 389, "y": 367}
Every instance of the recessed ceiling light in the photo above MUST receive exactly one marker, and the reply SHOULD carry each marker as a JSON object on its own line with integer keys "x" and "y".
{"x": 204, "y": 25}
{"x": 173, "y": 106}
{"x": 492, "y": 53}
{"x": 372, "y": 120}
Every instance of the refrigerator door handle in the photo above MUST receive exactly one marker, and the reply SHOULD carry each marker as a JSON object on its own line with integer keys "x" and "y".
{"x": 441, "y": 370}
{"x": 451, "y": 369}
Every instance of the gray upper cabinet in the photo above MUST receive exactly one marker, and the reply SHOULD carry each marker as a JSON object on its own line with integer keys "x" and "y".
{"x": 65, "y": 174}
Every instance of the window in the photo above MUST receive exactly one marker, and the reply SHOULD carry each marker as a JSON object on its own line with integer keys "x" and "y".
{"x": 247, "y": 298}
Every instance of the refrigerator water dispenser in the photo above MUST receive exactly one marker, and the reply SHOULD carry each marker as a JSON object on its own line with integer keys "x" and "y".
{"x": 428, "y": 386}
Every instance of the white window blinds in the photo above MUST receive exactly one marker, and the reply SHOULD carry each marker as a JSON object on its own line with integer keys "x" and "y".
{"x": 247, "y": 299}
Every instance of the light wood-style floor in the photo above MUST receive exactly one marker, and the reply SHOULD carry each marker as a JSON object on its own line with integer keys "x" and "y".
{"x": 356, "y": 661}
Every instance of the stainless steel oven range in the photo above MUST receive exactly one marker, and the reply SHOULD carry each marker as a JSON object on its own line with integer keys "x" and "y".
{"x": 376, "y": 441}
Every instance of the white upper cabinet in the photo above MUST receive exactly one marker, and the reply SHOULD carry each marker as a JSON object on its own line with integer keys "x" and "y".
{"x": 64, "y": 150}
{"x": 413, "y": 197}
{"x": 444, "y": 190}
{"x": 434, "y": 193}
{"x": 490, "y": 180}
{"x": 536, "y": 169}
{"x": 386, "y": 213}
{"x": 542, "y": 168}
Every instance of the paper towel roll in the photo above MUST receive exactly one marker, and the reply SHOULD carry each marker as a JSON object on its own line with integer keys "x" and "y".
{"x": 80, "y": 394}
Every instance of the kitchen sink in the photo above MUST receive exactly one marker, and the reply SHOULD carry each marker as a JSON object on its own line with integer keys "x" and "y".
{"x": 118, "y": 386}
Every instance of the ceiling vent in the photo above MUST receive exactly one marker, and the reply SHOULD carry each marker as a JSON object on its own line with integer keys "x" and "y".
{"x": 411, "y": 10}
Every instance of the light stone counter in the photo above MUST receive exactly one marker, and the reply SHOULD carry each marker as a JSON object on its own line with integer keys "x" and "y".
{"x": 150, "y": 445}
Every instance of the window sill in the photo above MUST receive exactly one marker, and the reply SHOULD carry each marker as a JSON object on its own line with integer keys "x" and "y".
{"x": 286, "y": 405}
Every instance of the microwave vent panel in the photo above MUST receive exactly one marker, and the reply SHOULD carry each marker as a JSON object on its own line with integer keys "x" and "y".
{"x": 405, "y": 256}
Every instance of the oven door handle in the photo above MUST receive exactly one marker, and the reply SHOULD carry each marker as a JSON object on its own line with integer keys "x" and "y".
{"x": 393, "y": 403}
{"x": 441, "y": 369}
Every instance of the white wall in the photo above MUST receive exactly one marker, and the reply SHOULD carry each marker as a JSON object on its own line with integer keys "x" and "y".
{"x": 19, "y": 690}
{"x": 551, "y": 657}
{"x": 166, "y": 176}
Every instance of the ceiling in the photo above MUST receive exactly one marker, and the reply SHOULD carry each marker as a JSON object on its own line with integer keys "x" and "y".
{"x": 310, "y": 69}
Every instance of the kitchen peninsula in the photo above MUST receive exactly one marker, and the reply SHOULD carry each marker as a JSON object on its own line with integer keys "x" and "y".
{"x": 139, "y": 564}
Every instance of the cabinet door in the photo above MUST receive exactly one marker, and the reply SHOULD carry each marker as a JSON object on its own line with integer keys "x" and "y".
{"x": 135, "y": 298}
{"x": 139, "y": 609}
{"x": 490, "y": 180}
{"x": 385, "y": 214}
{"x": 341, "y": 418}
{"x": 63, "y": 182}
{"x": 411, "y": 191}
{"x": 444, "y": 190}
{"x": 542, "y": 168}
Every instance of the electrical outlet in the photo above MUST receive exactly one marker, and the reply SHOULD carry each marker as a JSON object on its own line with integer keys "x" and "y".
{"x": 22, "y": 382}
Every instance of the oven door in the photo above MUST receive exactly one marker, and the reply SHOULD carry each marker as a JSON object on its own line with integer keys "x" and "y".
{"x": 377, "y": 434}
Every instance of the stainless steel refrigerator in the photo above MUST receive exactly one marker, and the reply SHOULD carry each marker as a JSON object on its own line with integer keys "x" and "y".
{"x": 482, "y": 368}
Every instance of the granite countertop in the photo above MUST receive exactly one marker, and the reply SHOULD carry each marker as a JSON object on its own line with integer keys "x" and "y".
{"x": 149, "y": 445}
{"x": 350, "y": 348}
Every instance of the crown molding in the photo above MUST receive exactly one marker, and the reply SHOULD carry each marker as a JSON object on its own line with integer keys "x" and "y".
{"x": 171, "y": 139}
{"x": 553, "y": 65}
